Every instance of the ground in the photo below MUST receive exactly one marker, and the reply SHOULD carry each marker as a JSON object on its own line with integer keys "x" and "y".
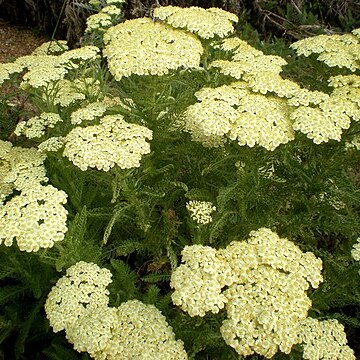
{"x": 17, "y": 41}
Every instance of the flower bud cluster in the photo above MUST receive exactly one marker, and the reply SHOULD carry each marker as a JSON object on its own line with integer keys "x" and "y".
{"x": 200, "y": 211}
{"x": 112, "y": 142}
{"x": 144, "y": 47}
{"x": 266, "y": 279}
{"x": 78, "y": 304}
{"x": 324, "y": 340}
{"x": 206, "y": 23}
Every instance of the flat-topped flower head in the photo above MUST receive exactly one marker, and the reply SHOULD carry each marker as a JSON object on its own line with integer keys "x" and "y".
{"x": 200, "y": 211}
{"x": 333, "y": 50}
{"x": 198, "y": 282}
{"x": 233, "y": 112}
{"x": 324, "y": 340}
{"x": 112, "y": 142}
{"x": 206, "y": 23}
{"x": 356, "y": 32}
{"x": 54, "y": 47}
{"x": 54, "y": 143}
{"x": 250, "y": 66}
{"x": 355, "y": 251}
{"x": 241, "y": 50}
{"x": 7, "y": 69}
{"x": 262, "y": 283}
{"x": 144, "y": 47}
{"x": 20, "y": 167}
{"x": 36, "y": 126}
{"x": 36, "y": 218}
{"x": 83, "y": 288}
{"x": 88, "y": 113}
{"x": 142, "y": 332}
{"x": 42, "y": 76}
{"x": 345, "y": 80}
{"x": 325, "y": 122}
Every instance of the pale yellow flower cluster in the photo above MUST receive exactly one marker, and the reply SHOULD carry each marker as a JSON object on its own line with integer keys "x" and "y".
{"x": 356, "y": 32}
{"x": 266, "y": 279}
{"x": 101, "y": 21}
{"x": 234, "y": 112}
{"x": 54, "y": 143}
{"x": 78, "y": 304}
{"x": 200, "y": 211}
{"x": 355, "y": 252}
{"x": 88, "y": 113}
{"x": 68, "y": 92}
{"x": 334, "y": 50}
{"x": 36, "y": 126}
{"x": 53, "y": 47}
{"x": 44, "y": 70}
{"x": 248, "y": 63}
{"x": 144, "y": 47}
{"x": 324, "y": 340}
{"x": 81, "y": 289}
{"x": 199, "y": 281}
{"x": 7, "y": 69}
{"x": 331, "y": 115}
{"x": 19, "y": 168}
{"x": 112, "y": 142}
{"x": 206, "y": 23}
{"x": 36, "y": 218}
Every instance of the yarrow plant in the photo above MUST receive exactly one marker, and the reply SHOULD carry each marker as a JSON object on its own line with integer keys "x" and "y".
{"x": 175, "y": 188}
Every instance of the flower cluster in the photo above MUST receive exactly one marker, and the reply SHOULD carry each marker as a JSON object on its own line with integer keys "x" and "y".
{"x": 331, "y": 114}
{"x": 88, "y": 113}
{"x": 206, "y": 23}
{"x": 19, "y": 168}
{"x": 7, "y": 69}
{"x": 234, "y": 112}
{"x": 247, "y": 62}
{"x": 355, "y": 252}
{"x": 105, "y": 18}
{"x": 199, "y": 281}
{"x": 36, "y": 218}
{"x": 68, "y": 92}
{"x": 36, "y": 126}
{"x": 54, "y": 143}
{"x": 112, "y": 142}
{"x": 45, "y": 69}
{"x": 334, "y": 50}
{"x": 78, "y": 304}
{"x": 200, "y": 211}
{"x": 144, "y": 47}
{"x": 266, "y": 278}
{"x": 54, "y": 47}
{"x": 324, "y": 340}
{"x": 81, "y": 289}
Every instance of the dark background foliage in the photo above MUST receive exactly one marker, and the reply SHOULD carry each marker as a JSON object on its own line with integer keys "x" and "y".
{"x": 292, "y": 19}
